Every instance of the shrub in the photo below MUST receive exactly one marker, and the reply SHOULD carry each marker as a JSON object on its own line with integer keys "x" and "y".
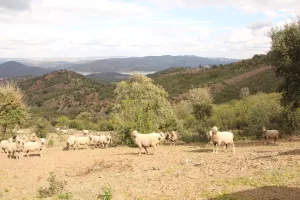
{"x": 50, "y": 143}
{"x": 41, "y": 127}
{"x": 55, "y": 187}
{"x": 65, "y": 195}
{"x": 106, "y": 193}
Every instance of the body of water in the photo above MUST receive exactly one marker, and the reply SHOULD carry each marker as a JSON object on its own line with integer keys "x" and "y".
{"x": 130, "y": 73}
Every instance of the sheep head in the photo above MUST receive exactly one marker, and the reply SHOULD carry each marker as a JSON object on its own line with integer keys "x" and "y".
{"x": 214, "y": 130}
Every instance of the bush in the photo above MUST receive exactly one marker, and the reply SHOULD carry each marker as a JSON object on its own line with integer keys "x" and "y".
{"x": 50, "y": 143}
{"x": 66, "y": 196}
{"x": 55, "y": 187}
{"x": 76, "y": 124}
{"x": 106, "y": 193}
{"x": 42, "y": 127}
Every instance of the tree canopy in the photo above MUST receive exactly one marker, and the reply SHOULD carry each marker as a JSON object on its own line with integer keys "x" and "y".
{"x": 285, "y": 57}
{"x": 141, "y": 105}
{"x": 12, "y": 107}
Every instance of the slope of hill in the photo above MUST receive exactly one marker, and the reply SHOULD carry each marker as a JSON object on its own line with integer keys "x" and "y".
{"x": 108, "y": 77}
{"x": 231, "y": 77}
{"x": 67, "y": 92}
{"x": 148, "y": 63}
{"x": 14, "y": 69}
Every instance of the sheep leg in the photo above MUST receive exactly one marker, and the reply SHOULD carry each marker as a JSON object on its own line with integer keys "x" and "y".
{"x": 233, "y": 148}
{"x": 140, "y": 153}
{"x": 217, "y": 148}
{"x": 146, "y": 150}
{"x": 155, "y": 148}
{"x": 27, "y": 154}
{"x": 275, "y": 140}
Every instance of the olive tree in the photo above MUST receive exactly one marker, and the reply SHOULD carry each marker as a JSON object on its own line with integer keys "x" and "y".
{"x": 285, "y": 57}
{"x": 142, "y": 105}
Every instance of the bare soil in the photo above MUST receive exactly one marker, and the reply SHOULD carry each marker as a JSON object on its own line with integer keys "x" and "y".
{"x": 256, "y": 171}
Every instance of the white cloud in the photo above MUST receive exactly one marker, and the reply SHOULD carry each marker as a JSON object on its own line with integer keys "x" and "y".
{"x": 55, "y": 28}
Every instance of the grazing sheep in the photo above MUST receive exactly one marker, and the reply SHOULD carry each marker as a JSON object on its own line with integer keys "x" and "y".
{"x": 105, "y": 140}
{"x": 81, "y": 141}
{"x": 221, "y": 137}
{"x": 172, "y": 137}
{"x": 64, "y": 131}
{"x": 34, "y": 146}
{"x": 146, "y": 140}
{"x": 70, "y": 142}
{"x": 3, "y": 144}
{"x": 15, "y": 147}
{"x": 270, "y": 134}
{"x": 57, "y": 130}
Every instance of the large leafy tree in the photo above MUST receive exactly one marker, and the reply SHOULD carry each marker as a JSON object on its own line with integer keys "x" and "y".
{"x": 12, "y": 107}
{"x": 201, "y": 102}
{"x": 141, "y": 105}
{"x": 285, "y": 57}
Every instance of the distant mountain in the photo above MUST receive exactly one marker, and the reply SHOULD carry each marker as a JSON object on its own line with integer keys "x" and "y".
{"x": 148, "y": 63}
{"x": 14, "y": 69}
{"x": 108, "y": 76}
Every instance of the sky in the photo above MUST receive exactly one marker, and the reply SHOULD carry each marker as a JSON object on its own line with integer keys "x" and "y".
{"x": 110, "y": 28}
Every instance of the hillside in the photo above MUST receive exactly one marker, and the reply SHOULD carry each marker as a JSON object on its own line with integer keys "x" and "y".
{"x": 225, "y": 80}
{"x": 67, "y": 92}
{"x": 148, "y": 63}
{"x": 108, "y": 77}
{"x": 14, "y": 69}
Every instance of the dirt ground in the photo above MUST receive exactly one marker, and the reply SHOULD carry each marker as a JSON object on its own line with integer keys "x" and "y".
{"x": 256, "y": 171}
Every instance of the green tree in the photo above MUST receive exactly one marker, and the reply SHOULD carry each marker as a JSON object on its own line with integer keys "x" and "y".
{"x": 12, "y": 107}
{"x": 63, "y": 121}
{"x": 141, "y": 105}
{"x": 285, "y": 57}
{"x": 201, "y": 102}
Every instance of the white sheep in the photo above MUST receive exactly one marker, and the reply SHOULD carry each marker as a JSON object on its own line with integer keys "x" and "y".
{"x": 3, "y": 144}
{"x": 146, "y": 140}
{"x": 57, "y": 130}
{"x": 64, "y": 131}
{"x": 70, "y": 142}
{"x": 85, "y": 132}
{"x": 105, "y": 140}
{"x": 221, "y": 137}
{"x": 270, "y": 134}
{"x": 15, "y": 147}
{"x": 81, "y": 141}
{"x": 34, "y": 146}
{"x": 172, "y": 137}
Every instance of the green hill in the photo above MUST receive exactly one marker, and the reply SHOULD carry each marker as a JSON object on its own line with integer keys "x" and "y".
{"x": 225, "y": 81}
{"x": 67, "y": 92}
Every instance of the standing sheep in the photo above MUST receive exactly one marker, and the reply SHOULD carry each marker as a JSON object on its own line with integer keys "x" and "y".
{"x": 221, "y": 137}
{"x": 146, "y": 140}
{"x": 15, "y": 147}
{"x": 172, "y": 137}
{"x": 81, "y": 141}
{"x": 85, "y": 132}
{"x": 4, "y": 143}
{"x": 34, "y": 146}
{"x": 270, "y": 134}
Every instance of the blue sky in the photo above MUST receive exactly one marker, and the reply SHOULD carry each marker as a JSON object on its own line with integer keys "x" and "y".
{"x": 108, "y": 28}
